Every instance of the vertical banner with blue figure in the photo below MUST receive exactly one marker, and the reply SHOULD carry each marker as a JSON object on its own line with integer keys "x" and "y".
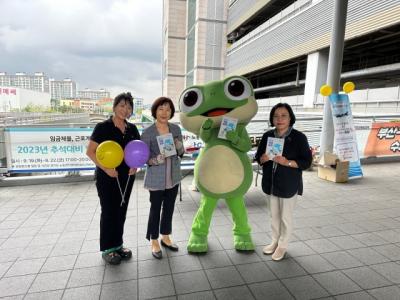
{"x": 345, "y": 135}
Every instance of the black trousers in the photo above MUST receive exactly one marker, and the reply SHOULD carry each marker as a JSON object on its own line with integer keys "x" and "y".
{"x": 166, "y": 199}
{"x": 113, "y": 215}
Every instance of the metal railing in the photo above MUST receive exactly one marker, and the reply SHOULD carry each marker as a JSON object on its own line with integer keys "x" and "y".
{"x": 29, "y": 118}
{"x": 309, "y": 123}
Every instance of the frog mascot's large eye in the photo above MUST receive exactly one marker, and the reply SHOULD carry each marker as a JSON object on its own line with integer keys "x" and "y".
{"x": 237, "y": 89}
{"x": 190, "y": 100}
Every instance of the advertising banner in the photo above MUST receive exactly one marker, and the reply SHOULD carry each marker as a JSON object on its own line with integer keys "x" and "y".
{"x": 383, "y": 139}
{"x": 345, "y": 133}
{"x": 47, "y": 149}
{"x": 39, "y": 149}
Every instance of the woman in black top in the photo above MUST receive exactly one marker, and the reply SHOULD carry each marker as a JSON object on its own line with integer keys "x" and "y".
{"x": 113, "y": 213}
{"x": 282, "y": 177}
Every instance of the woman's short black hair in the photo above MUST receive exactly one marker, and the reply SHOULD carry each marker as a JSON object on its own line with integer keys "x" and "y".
{"x": 127, "y": 97}
{"x": 161, "y": 101}
{"x": 289, "y": 109}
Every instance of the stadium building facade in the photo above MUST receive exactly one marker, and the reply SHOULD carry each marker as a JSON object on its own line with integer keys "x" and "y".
{"x": 282, "y": 46}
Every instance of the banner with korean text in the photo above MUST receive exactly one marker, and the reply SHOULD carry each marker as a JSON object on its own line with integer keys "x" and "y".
{"x": 47, "y": 149}
{"x": 345, "y": 133}
{"x": 51, "y": 149}
{"x": 383, "y": 139}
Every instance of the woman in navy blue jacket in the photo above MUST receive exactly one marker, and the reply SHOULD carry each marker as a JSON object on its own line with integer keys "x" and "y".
{"x": 282, "y": 176}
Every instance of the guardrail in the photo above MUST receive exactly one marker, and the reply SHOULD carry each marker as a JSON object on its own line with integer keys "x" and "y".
{"x": 28, "y": 118}
{"x": 309, "y": 123}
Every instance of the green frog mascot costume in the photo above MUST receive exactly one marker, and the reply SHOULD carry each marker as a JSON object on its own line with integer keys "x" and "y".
{"x": 223, "y": 169}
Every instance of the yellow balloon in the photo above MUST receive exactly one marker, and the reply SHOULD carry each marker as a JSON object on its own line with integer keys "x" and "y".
{"x": 348, "y": 87}
{"x": 325, "y": 90}
{"x": 109, "y": 154}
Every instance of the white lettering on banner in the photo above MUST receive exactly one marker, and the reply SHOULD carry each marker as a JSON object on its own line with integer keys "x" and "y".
{"x": 388, "y": 132}
{"x": 395, "y": 146}
{"x": 47, "y": 149}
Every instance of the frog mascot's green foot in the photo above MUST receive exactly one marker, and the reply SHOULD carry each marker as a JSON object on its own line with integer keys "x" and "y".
{"x": 223, "y": 169}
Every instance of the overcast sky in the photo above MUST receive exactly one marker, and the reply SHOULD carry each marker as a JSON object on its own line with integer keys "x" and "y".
{"x": 108, "y": 44}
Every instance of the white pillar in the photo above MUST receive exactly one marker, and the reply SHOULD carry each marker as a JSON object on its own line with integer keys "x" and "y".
{"x": 334, "y": 71}
{"x": 317, "y": 66}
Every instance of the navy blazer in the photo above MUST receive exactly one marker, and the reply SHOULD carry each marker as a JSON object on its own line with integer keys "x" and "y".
{"x": 286, "y": 181}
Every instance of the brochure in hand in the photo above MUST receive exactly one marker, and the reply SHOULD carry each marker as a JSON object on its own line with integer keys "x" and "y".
{"x": 227, "y": 124}
{"x": 166, "y": 144}
{"x": 274, "y": 147}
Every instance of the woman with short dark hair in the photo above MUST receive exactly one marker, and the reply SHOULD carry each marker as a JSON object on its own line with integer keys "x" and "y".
{"x": 113, "y": 213}
{"x": 282, "y": 176}
{"x": 162, "y": 101}
{"x": 162, "y": 175}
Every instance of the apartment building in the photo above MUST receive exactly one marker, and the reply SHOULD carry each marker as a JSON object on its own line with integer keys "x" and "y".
{"x": 93, "y": 94}
{"x": 62, "y": 89}
{"x": 36, "y": 82}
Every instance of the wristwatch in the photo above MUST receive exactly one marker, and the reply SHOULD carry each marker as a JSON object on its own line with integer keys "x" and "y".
{"x": 290, "y": 163}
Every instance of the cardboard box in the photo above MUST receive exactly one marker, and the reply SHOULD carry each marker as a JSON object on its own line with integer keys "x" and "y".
{"x": 332, "y": 169}
{"x": 328, "y": 159}
{"x": 338, "y": 174}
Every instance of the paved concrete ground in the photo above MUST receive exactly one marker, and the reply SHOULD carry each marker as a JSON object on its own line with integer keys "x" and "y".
{"x": 346, "y": 246}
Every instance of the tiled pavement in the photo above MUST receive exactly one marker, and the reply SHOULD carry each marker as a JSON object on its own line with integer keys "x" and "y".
{"x": 346, "y": 245}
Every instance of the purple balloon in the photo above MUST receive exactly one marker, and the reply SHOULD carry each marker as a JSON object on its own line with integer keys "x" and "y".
{"x": 136, "y": 154}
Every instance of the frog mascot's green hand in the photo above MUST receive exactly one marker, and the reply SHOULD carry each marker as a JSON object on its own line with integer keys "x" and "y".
{"x": 223, "y": 169}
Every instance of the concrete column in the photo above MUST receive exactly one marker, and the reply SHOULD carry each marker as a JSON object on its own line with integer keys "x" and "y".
{"x": 334, "y": 71}
{"x": 317, "y": 66}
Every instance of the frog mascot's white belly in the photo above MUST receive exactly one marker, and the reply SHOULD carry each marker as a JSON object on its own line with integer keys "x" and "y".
{"x": 220, "y": 170}
{"x": 223, "y": 169}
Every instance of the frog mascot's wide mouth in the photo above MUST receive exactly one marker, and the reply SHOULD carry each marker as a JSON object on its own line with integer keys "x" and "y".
{"x": 216, "y": 112}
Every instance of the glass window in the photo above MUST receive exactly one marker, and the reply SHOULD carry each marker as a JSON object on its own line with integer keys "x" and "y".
{"x": 190, "y": 51}
{"x": 189, "y": 79}
{"x": 191, "y": 14}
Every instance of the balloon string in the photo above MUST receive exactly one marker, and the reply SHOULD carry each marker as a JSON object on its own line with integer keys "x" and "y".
{"x": 120, "y": 191}
{"x": 126, "y": 186}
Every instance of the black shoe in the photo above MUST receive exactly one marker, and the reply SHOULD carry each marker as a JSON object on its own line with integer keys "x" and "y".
{"x": 125, "y": 253}
{"x": 113, "y": 258}
{"x": 157, "y": 254}
{"x": 173, "y": 247}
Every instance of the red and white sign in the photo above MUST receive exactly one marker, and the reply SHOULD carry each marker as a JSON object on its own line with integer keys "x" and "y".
{"x": 8, "y": 91}
{"x": 383, "y": 139}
